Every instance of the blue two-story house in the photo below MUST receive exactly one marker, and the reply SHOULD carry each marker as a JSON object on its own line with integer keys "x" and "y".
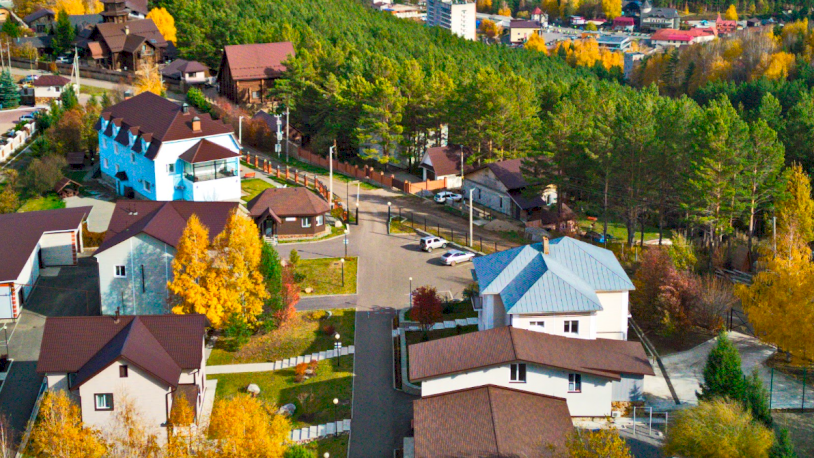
{"x": 153, "y": 148}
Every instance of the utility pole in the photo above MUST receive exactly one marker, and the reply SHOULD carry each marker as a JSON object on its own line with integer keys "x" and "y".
{"x": 462, "y": 165}
{"x": 287, "y": 129}
{"x": 331, "y": 152}
{"x": 471, "y": 232}
{"x": 278, "y": 147}
{"x": 240, "y": 131}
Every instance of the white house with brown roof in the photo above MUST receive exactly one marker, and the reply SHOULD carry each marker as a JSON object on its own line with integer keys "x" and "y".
{"x": 289, "y": 212}
{"x": 188, "y": 71}
{"x": 156, "y": 149}
{"x": 46, "y": 88}
{"x": 31, "y": 241}
{"x": 589, "y": 374}
{"x": 99, "y": 361}
{"x": 135, "y": 259}
{"x": 248, "y": 71}
{"x": 445, "y": 162}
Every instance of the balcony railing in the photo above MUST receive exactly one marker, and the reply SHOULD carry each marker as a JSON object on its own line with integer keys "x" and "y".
{"x": 212, "y": 175}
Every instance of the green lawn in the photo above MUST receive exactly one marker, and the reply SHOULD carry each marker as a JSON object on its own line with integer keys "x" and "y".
{"x": 313, "y": 397}
{"x": 456, "y": 310}
{"x": 92, "y": 90}
{"x": 253, "y": 186}
{"x": 305, "y": 334}
{"x": 324, "y": 275}
{"x": 49, "y": 202}
{"x": 337, "y": 447}
{"x": 619, "y": 231}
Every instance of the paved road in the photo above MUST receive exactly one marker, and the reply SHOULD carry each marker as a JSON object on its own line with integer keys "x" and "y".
{"x": 72, "y": 292}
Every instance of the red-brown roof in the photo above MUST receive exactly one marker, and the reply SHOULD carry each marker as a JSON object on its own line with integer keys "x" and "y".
{"x": 446, "y": 160}
{"x": 116, "y": 34}
{"x": 50, "y": 80}
{"x": 490, "y": 422}
{"x": 257, "y": 61}
{"x": 164, "y": 221}
{"x": 162, "y": 345}
{"x": 20, "y": 233}
{"x": 159, "y": 120}
{"x": 288, "y": 202}
{"x": 602, "y": 357}
{"x": 679, "y": 35}
{"x": 205, "y": 151}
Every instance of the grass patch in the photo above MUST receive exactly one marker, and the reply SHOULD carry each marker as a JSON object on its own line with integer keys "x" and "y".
{"x": 51, "y": 201}
{"x": 303, "y": 335}
{"x": 336, "y": 446}
{"x": 313, "y": 397}
{"x": 253, "y": 187}
{"x": 77, "y": 175}
{"x": 454, "y": 311}
{"x": 619, "y": 230}
{"x": 414, "y": 337}
{"x": 92, "y": 90}
{"x": 324, "y": 275}
{"x": 401, "y": 226}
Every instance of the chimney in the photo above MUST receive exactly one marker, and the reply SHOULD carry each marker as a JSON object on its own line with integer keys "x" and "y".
{"x": 127, "y": 30}
{"x": 545, "y": 246}
{"x": 184, "y": 108}
{"x": 116, "y": 317}
{"x": 196, "y": 124}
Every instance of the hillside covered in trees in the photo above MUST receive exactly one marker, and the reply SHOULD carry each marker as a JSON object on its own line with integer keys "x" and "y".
{"x": 361, "y": 76}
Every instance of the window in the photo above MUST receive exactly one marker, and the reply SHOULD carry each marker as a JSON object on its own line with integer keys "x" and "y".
{"x": 133, "y": 158}
{"x": 116, "y": 148}
{"x": 170, "y": 168}
{"x": 107, "y": 164}
{"x": 306, "y": 221}
{"x": 574, "y": 383}
{"x": 121, "y": 271}
{"x": 255, "y": 94}
{"x": 518, "y": 373}
{"x": 571, "y": 327}
{"x": 57, "y": 88}
{"x": 537, "y": 324}
{"x": 104, "y": 401}
{"x": 122, "y": 371}
{"x": 319, "y": 220}
{"x": 147, "y": 186}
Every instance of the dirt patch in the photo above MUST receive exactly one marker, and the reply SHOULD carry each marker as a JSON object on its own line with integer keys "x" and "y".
{"x": 801, "y": 430}
{"x": 676, "y": 343}
{"x": 499, "y": 225}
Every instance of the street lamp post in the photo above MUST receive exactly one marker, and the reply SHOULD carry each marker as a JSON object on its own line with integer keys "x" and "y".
{"x": 342, "y": 261}
{"x": 240, "y": 131}
{"x": 388, "y": 218}
{"x": 357, "y": 211}
{"x": 5, "y": 335}
{"x": 326, "y": 455}
{"x": 336, "y": 415}
{"x": 337, "y": 348}
{"x": 410, "y": 305}
{"x": 347, "y": 231}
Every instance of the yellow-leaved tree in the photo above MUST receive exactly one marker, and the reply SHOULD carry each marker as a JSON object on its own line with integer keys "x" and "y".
{"x": 552, "y": 8}
{"x": 148, "y": 79}
{"x": 777, "y": 66}
{"x": 165, "y": 23}
{"x": 247, "y": 427}
{"x": 504, "y": 10}
{"x": 71, "y": 7}
{"x": 191, "y": 274}
{"x": 612, "y": 8}
{"x": 778, "y": 302}
{"x": 603, "y": 443}
{"x": 490, "y": 28}
{"x": 483, "y": 6}
{"x": 536, "y": 43}
{"x": 58, "y": 432}
{"x": 238, "y": 286}
{"x": 731, "y": 13}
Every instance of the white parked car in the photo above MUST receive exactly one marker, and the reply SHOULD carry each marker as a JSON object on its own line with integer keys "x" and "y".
{"x": 443, "y": 196}
{"x": 453, "y": 257}
{"x": 27, "y": 117}
{"x": 432, "y": 242}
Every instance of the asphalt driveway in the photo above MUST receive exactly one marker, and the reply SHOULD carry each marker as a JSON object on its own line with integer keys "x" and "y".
{"x": 62, "y": 291}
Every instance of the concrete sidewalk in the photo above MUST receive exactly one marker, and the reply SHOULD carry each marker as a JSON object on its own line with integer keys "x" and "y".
{"x": 277, "y": 365}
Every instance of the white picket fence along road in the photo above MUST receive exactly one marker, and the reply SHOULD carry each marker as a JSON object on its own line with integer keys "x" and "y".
{"x": 310, "y": 433}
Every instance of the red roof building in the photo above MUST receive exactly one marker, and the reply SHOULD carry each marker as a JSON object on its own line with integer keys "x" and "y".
{"x": 247, "y": 71}
{"x": 673, "y": 37}
{"x": 724, "y": 26}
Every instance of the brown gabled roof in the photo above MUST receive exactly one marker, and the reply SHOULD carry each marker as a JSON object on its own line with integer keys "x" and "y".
{"x": 63, "y": 183}
{"x": 287, "y": 202}
{"x": 257, "y": 61}
{"x": 96, "y": 50}
{"x": 602, "y": 357}
{"x": 139, "y": 6}
{"x": 446, "y": 160}
{"x": 162, "y": 345}
{"x": 38, "y": 14}
{"x": 116, "y": 36}
{"x": 50, "y": 80}
{"x": 490, "y": 421}
{"x": 164, "y": 221}
{"x": 205, "y": 151}
{"x": 20, "y": 233}
{"x": 176, "y": 68}
{"x": 159, "y": 120}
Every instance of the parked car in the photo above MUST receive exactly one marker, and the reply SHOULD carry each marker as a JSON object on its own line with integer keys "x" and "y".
{"x": 28, "y": 117}
{"x": 596, "y": 237}
{"x": 29, "y": 79}
{"x": 443, "y": 196}
{"x": 453, "y": 257}
{"x": 64, "y": 60}
{"x": 430, "y": 243}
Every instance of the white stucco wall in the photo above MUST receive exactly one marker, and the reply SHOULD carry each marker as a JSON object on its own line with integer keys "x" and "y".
{"x": 593, "y": 401}
{"x": 611, "y": 321}
{"x": 555, "y": 324}
{"x": 151, "y": 396}
{"x": 128, "y": 293}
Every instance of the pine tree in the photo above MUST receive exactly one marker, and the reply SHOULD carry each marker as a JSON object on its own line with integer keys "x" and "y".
{"x": 723, "y": 377}
{"x": 63, "y": 35}
{"x": 782, "y": 446}
{"x": 761, "y": 171}
{"x": 272, "y": 270}
{"x": 756, "y": 399}
{"x": 9, "y": 96}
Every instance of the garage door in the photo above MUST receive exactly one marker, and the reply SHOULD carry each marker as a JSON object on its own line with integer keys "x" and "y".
{"x": 57, "y": 249}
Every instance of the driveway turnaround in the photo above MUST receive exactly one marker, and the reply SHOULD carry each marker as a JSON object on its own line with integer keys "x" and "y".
{"x": 60, "y": 291}
{"x": 102, "y": 212}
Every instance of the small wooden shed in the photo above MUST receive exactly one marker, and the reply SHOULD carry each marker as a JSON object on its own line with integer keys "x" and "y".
{"x": 67, "y": 188}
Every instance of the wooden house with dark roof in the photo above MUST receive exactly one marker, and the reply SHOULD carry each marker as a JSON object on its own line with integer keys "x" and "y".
{"x": 248, "y": 71}
{"x": 289, "y": 212}
{"x": 153, "y": 361}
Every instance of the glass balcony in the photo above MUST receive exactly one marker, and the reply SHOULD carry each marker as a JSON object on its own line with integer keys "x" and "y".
{"x": 212, "y": 170}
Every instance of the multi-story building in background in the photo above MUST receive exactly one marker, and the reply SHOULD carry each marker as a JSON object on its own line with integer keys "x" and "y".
{"x": 457, "y": 16}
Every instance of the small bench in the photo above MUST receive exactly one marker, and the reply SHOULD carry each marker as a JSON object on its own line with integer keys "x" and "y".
{"x": 249, "y": 175}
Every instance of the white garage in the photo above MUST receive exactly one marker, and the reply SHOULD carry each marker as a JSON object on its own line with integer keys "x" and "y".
{"x": 58, "y": 249}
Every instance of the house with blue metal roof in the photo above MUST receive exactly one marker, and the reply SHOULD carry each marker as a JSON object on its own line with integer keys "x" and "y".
{"x": 564, "y": 286}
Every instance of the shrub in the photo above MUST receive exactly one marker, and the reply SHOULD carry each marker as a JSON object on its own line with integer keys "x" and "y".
{"x": 427, "y": 308}
{"x": 298, "y": 277}
{"x": 43, "y": 174}
{"x": 329, "y": 329}
{"x": 299, "y": 372}
{"x": 91, "y": 239}
{"x": 316, "y": 315}
{"x": 196, "y": 98}
{"x": 297, "y": 451}
{"x": 471, "y": 290}
{"x": 237, "y": 328}
{"x": 313, "y": 365}
{"x": 449, "y": 307}
{"x": 294, "y": 258}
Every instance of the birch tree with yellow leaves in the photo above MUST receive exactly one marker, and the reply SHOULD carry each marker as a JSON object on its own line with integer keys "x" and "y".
{"x": 191, "y": 274}
{"x": 59, "y": 433}
{"x": 148, "y": 79}
{"x": 247, "y": 427}
{"x": 165, "y": 23}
